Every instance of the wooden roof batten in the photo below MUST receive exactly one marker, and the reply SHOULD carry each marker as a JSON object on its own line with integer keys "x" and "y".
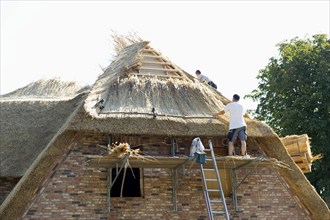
{"x": 153, "y": 64}
{"x": 160, "y": 70}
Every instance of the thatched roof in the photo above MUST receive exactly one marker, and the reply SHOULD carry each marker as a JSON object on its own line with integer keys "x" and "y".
{"x": 183, "y": 105}
{"x": 29, "y": 122}
{"x": 143, "y": 91}
{"x": 47, "y": 89}
{"x": 126, "y": 90}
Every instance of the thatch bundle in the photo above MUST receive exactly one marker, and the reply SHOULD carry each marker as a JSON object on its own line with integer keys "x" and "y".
{"x": 122, "y": 149}
{"x": 298, "y": 146}
{"x": 121, "y": 41}
{"x": 296, "y": 143}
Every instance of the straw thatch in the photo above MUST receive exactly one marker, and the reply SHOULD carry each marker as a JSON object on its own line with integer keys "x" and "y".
{"x": 47, "y": 88}
{"x": 29, "y": 120}
{"x": 120, "y": 41}
{"x": 154, "y": 105}
{"x": 121, "y": 149}
{"x": 58, "y": 145}
{"x": 124, "y": 93}
{"x": 26, "y": 128}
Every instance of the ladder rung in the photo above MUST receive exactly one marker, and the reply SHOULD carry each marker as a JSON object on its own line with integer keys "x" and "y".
{"x": 216, "y": 201}
{"x": 213, "y": 190}
{"x": 211, "y": 179}
{"x": 209, "y": 159}
{"x": 218, "y": 212}
{"x": 209, "y": 169}
{"x": 207, "y": 149}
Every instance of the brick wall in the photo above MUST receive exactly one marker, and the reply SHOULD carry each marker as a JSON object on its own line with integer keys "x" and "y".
{"x": 75, "y": 190}
{"x": 264, "y": 195}
{"x": 6, "y": 185}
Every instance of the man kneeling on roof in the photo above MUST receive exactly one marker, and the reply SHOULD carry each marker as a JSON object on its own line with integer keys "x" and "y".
{"x": 237, "y": 125}
{"x": 203, "y": 78}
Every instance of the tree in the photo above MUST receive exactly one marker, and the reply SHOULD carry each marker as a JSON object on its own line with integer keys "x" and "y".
{"x": 294, "y": 98}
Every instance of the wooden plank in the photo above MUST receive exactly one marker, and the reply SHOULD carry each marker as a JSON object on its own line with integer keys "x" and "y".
{"x": 300, "y": 159}
{"x": 306, "y": 167}
{"x": 157, "y": 63}
{"x": 153, "y": 75}
{"x": 225, "y": 182}
{"x": 152, "y": 56}
{"x": 150, "y": 50}
{"x": 159, "y": 70}
{"x": 173, "y": 162}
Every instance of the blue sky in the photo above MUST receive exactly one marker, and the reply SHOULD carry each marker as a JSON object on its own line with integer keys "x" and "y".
{"x": 229, "y": 41}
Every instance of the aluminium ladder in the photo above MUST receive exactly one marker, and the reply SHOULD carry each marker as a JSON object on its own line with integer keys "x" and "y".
{"x": 215, "y": 206}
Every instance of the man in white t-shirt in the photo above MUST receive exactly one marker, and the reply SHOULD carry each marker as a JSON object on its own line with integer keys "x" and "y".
{"x": 237, "y": 125}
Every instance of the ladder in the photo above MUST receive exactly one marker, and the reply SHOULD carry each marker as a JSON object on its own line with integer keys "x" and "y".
{"x": 215, "y": 206}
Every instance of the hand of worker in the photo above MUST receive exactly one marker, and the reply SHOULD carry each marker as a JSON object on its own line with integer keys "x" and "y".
{"x": 219, "y": 113}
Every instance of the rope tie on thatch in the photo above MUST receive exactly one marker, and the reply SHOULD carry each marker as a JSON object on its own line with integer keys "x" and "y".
{"x": 154, "y": 114}
{"x": 157, "y": 114}
{"x": 298, "y": 145}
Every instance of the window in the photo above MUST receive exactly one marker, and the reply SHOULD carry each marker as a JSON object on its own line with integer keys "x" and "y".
{"x": 131, "y": 186}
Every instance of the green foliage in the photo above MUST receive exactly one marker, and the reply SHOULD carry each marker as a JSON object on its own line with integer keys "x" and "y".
{"x": 294, "y": 98}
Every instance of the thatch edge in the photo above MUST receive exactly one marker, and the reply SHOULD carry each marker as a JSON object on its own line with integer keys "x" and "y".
{"x": 118, "y": 69}
{"x": 162, "y": 125}
{"x": 20, "y": 197}
{"x": 27, "y": 127}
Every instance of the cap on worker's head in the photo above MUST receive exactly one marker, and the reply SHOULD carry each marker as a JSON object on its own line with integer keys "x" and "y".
{"x": 236, "y": 97}
{"x": 198, "y": 72}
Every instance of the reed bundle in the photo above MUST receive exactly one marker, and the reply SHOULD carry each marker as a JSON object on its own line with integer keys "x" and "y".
{"x": 299, "y": 148}
{"x": 122, "y": 149}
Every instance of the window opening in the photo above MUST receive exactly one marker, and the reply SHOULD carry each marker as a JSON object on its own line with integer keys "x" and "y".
{"x": 131, "y": 187}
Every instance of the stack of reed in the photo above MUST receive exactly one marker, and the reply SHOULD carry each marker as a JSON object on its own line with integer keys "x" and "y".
{"x": 298, "y": 146}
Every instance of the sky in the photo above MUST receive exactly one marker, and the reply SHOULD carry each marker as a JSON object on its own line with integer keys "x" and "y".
{"x": 229, "y": 41}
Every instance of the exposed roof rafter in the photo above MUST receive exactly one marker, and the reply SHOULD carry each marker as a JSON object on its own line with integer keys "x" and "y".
{"x": 152, "y": 63}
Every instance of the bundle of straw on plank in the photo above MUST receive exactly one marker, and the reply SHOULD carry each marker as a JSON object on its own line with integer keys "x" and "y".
{"x": 122, "y": 149}
{"x": 296, "y": 143}
{"x": 298, "y": 146}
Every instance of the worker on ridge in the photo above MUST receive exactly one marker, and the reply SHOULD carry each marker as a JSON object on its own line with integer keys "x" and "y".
{"x": 203, "y": 78}
{"x": 237, "y": 125}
